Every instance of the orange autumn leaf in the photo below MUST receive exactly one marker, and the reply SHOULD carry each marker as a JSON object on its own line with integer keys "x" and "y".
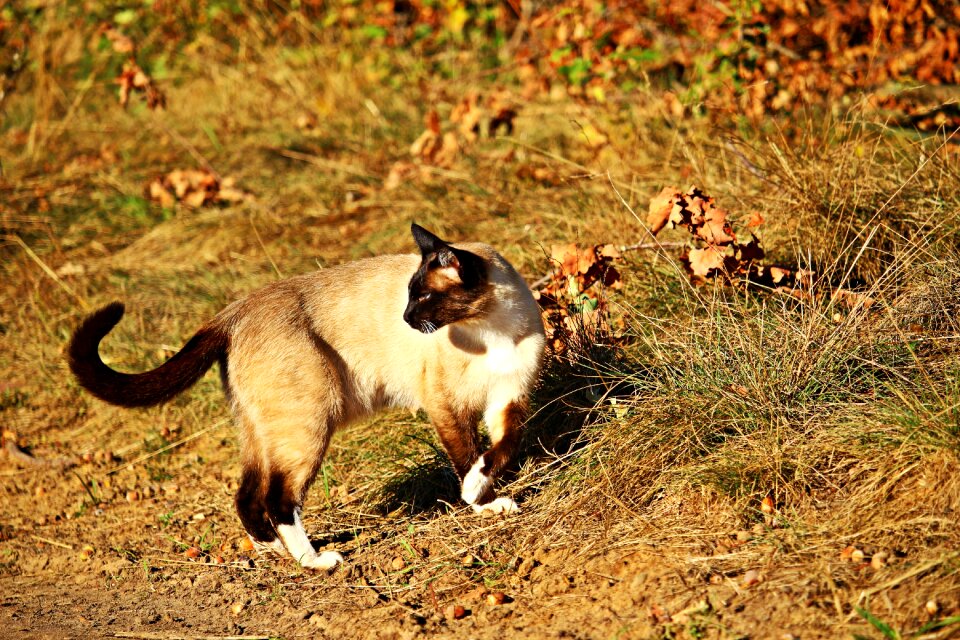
{"x": 661, "y": 207}
{"x": 702, "y": 262}
{"x": 715, "y": 228}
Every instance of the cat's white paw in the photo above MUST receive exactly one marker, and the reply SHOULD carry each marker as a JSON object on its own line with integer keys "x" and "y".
{"x": 325, "y": 561}
{"x": 475, "y": 483}
{"x": 500, "y": 505}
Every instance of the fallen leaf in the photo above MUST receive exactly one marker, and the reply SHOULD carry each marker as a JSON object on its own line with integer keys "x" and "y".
{"x": 715, "y": 228}
{"x": 400, "y": 171}
{"x": 754, "y": 220}
{"x": 660, "y": 209}
{"x": 766, "y": 505}
{"x": 702, "y": 262}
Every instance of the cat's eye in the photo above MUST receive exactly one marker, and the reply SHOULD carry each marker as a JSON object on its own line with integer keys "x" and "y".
{"x": 424, "y": 297}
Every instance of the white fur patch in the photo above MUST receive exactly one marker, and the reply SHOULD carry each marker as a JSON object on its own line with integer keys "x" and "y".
{"x": 475, "y": 483}
{"x": 326, "y": 561}
{"x": 502, "y": 356}
{"x": 500, "y": 505}
{"x": 298, "y": 545}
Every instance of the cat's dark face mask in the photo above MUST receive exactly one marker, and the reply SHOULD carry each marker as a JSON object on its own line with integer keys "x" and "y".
{"x": 450, "y": 285}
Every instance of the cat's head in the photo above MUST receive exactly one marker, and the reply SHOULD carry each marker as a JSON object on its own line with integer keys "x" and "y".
{"x": 450, "y": 286}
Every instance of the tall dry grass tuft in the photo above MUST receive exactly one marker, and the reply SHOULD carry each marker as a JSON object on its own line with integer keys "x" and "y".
{"x": 843, "y": 412}
{"x": 836, "y": 182}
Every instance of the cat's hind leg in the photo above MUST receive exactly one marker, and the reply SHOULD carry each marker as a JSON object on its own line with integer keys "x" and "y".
{"x": 285, "y": 495}
{"x": 252, "y": 509}
{"x": 290, "y": 403}
{"x": 250, "y": 499}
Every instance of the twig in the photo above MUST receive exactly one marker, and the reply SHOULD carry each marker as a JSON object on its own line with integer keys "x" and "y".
{"x": 93, "y": 498}
{"x": 264, "y": 247}
{"x": 204, "y": 565}
{"x": 46, "y": 269}
{"x": 53, "y": 542}
{"x": 147, "y": 456}
{"x": 20, "y": 455}
{"x": 651, "y": 245}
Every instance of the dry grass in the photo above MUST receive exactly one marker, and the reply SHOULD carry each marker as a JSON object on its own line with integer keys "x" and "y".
{"x": 659, "y": 449}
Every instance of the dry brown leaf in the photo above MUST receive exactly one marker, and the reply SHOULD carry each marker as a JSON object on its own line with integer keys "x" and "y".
{"x": 778, "y": 275}
{"x": 608, "y": 251}
{"x": 715, "y": 229}
{"x": 702, "y": 262}
{"x": 432, "y": 121}
{"x": 567, "y": 256}
{"x": 399, "y": 173}
{"x": 851, "y": 299}
{"x": 194, "y": 188}
{"x": 159, "y": 193}
{"x": 425, "y": 146}
{"x": 661, "y": 207}
{"x": 448, "y": 151}
{"x": 612, "y": 278}
{"x": 754, "y": 220}
{"x": 766, "y": 505}
{"x": 133, "y": 78}
{"x": 468, "y": 115}
{"x": 195, "y": 199}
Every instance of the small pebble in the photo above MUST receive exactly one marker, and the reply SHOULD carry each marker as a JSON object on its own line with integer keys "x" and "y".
{"x": 454, "y": 612}
{"x": 751, "y": 578}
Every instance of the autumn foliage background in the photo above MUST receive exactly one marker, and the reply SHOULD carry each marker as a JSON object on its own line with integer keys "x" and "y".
{"x": 740, "y": 219}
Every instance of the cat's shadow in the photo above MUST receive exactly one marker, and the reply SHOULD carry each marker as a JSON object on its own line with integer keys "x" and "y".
{"x": 429, "y": 486}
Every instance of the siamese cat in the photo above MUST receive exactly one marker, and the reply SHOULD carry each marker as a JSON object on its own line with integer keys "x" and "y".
{"x": 454, "y": 331}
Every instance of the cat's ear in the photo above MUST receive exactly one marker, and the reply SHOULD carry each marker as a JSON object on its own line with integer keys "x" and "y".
{"x": 458, "y": 265}
{"x": 426, "y": 241}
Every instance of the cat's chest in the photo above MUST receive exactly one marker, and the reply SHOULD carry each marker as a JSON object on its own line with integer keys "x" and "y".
{"x": 505, "y": 357}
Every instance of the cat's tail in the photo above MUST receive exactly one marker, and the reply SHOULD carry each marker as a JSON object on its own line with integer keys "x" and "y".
{"x": 145, "y": 389}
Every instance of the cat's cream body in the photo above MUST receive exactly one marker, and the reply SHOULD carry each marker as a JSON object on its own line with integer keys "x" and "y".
{"x": 307, "y": 355}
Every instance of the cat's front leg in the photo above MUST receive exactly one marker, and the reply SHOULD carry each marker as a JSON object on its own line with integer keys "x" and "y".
{"x": 504, "y": 422}
{"x": 458, "y": 435}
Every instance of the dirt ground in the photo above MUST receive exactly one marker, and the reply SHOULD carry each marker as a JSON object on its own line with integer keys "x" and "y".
{"x": 120, "y": 566}
{"x": 136, "y": 582}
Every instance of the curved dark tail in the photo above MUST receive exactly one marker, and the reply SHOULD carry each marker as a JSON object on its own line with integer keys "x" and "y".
{"x": 139, "y": 389}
